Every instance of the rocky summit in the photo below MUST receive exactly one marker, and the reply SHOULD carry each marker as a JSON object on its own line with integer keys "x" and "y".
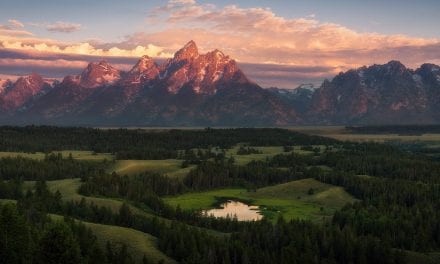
{"x": 188, "y": 89}
{"x": 194, "y": 89}
{"x": 379, "y": 94}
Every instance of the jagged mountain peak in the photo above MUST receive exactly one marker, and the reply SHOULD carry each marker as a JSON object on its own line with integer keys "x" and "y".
{"x": 97, "y": 74}
{"x": 216, "y": 53}
{"x": 23, "y": 90}
{"x": 394, "y": 67}
{"x": 4, "y": 85}
{"x": 33, "y": 78}
{"x": 144, "y": 70}
{"x": 430, "y": 67}
{"x": 144, "y": 63}
{"x": 189, "y": 51}
{"x": 101, "y": 66}
{"x": 203, "y": 73}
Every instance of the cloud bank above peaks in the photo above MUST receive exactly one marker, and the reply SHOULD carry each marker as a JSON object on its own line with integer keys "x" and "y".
{"x": 272, "y": 50}
{"x": 258, "y": 35}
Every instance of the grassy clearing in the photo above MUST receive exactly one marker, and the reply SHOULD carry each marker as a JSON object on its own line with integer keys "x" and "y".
{"x": 170, "y": 167}
{"x": 202, "y": 200}
{"x": 7, "y": 201}
{"x": 69, "y": 191}
{"x": 291, "y": 200}
{"x": 413, "y": 257}
{"x": 267, "y": 152}
{"x": 245, "y": 159}
{"x": 138, "y": 243}
{"x": 76, "y": 154}
{"x": 385, "y": 137}
{"x": 86, "y": 155}
{"x": 37, "y": 155}
{"x": 340, "y": 133}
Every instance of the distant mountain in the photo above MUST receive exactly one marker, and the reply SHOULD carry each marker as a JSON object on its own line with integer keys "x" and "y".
{"x": 193, "y": 89}
{"x": 189, "y": 89}
{"x": 379, "y": 94}
{"x": 15, "y": 96}
{"x": 299, "y": 98}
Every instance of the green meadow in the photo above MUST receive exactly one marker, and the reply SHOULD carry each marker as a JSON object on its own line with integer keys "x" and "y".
{"x": 170, "y": 167}
{"x": 267, "y": 152}
{"x": 76, "y": 154}
{"x": 138, "y": 243}
{"x": 292, "y": 200}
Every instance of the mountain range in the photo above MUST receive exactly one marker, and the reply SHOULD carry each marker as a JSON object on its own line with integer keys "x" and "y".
{"x": 193, "y": 89}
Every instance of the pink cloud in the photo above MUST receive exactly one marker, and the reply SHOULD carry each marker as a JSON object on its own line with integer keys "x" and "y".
{"x": 253, "y": 36}
{"x": 63, "y": 27}
{"x": 258, "y": 35}
{"x": 15, "y": 23}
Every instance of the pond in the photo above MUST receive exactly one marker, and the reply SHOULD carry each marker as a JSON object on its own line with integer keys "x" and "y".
{"x": 242, "y": 211}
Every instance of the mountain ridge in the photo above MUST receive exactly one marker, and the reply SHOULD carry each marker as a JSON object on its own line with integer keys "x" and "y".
{"x": 191, "y": 88}
{"x": 210, "y": 89}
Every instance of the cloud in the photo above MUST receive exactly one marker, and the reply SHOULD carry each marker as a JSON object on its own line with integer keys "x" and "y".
{"x": 83, "y": 49}
{"x": 16, "y": 63}
{"x": 258, "y": 35}
{"x": 63, "y": 27}
{"x": 14, "y": 28}
{"x": 15, "y": 23}
{"x": 182, "y": 2}
{"x": 20, "y": 63}
{"x": 271, "y": 49}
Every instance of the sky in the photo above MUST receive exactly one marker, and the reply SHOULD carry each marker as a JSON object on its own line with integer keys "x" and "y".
{"x": 276, "y": 43}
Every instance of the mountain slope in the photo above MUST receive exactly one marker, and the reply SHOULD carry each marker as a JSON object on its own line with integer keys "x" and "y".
{"x": 189, "y": 89}
{"x": 14, "y": 96}
{"x": 195, "y": 89}
{"x": 379, "y": 94}
{"x": 299, "y": 98}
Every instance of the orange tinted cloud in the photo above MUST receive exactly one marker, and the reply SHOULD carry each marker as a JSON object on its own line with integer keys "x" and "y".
{"x": 15, "y": 23}
{"x": 63, "y": 27}
{"x": 250, "y": 35}
{"x": 260, "y": 36}
{"x": 85, "y": 48}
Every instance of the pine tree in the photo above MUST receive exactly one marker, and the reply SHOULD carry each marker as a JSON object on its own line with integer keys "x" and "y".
{"x": 58, "y": 245}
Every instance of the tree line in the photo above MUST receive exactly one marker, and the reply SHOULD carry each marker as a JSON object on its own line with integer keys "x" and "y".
{"x": 144, "y": 144}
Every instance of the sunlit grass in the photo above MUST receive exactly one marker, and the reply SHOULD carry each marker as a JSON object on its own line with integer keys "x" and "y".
{"x": 291, "y": 200}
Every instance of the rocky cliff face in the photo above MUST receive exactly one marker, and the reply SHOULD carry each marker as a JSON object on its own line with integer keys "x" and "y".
{"x": 299, "y": 98}
{"x": 210, "y": 89}
{"x": 379, "y": 94}
{"x": 15, "y": 96}
{"x": 204, "y": 73}
{"x": 189, "y": 89}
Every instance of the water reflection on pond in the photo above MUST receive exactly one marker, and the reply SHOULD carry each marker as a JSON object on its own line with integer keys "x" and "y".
{"x": 242, "y": 211}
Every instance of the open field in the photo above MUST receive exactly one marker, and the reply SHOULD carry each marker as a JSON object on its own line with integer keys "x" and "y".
{"x": 7, "y": 201}
{"x": 138, "y": 243}
{"x": 426, "y": 258}
{"x": 69, "y": 191}
{"x": 203, "y": 200}
{"x": 385, "y": 137}
{"x": 341, "y": 133}
{"x": 170, "y": 167}
{"x": 76, "y": 154}
{"x": 267, "y": 152}
{"x": 291, "y": 200}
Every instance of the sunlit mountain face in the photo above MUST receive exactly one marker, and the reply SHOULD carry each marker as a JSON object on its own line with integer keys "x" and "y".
{"x": 188, "y": 62}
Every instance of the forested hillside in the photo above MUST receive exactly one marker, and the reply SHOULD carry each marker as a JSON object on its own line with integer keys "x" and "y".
{"x": 322, "y": 200}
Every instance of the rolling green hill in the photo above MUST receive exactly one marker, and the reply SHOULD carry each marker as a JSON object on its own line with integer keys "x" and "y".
{"x": 291, "y": 200}
{"x": 170, "y": 167}
{"x": 138, "y": 243}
